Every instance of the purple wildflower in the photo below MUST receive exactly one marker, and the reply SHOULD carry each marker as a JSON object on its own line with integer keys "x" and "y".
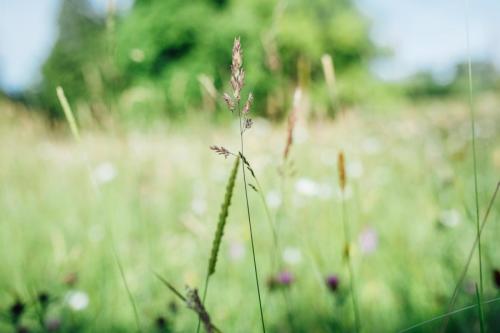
{"x": 332, "y": 282}
{"x": 281, "y": 280}
{"x": 285, "y": 278}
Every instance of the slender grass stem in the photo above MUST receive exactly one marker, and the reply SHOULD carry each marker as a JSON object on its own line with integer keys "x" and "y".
{"x": 268, "y": 213}
{"x": 272, "y": 224}
{"x": 479, "y": 226}
{"x": 448, "y": 314}
{"x": 352, "y": 285}
{"x": 205, "y": 290}
{"x": 70, "y": 118}
{"x": 474, "y": 156}
{"x": 469, "y": 257}
{"x": 250, "y": 222}
{"x": 480, "y": 310}
{"x": 129, "y": 293}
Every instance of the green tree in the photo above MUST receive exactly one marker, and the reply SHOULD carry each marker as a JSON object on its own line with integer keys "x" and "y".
{"x": 160, "y": 48}
{"x": 80, "y": 44}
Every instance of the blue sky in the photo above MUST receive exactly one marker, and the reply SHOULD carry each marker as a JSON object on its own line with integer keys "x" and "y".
{"x": 423, "y": 34}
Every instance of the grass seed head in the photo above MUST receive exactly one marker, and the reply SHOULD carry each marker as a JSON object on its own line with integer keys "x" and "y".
{"x": 342, "y": 173}
{"x": 229, "y": 101}
{"x": 193, "y": 302}
{"x": 237, "y": 72}
{"x": 292, "y": 120}
{"x": 224, "y": 212}
{"x": 221, "y": 151}
{"x": 248, "y": 104}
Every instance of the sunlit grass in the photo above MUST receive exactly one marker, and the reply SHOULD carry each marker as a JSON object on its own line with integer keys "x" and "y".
{"x": 160, "y": 196}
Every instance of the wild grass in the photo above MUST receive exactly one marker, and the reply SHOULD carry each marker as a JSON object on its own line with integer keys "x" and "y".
{"x": 160, "y": 179}
{"x": 347, "y": 240}
{"x": 237, "y": 82}
{"x": 158, "y": 183}
{"x": 70, "y": 118}
{"x": 219, "y": 232}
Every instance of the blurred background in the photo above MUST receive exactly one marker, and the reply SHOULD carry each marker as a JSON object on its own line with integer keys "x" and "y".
{"x": 137, "y": 56}
{"x": 84, "y": 223}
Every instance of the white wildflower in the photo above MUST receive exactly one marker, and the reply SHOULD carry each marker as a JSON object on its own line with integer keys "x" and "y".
{"x": 236, "y": 251}
{"x": 449, "y": 218}
{"x": 292, "y": 255}
{"x": 77, "y": 300}
{"x": 307, "y": 187}
{"x": 273, "y": 199}
{"x": 104, "y": 173}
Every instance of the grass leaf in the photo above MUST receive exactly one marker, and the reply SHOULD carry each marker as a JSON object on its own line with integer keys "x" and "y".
{"x": 68, "y": 113}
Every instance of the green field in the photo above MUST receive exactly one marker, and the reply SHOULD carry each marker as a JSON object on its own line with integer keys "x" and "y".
{"x": 153, "y": 197}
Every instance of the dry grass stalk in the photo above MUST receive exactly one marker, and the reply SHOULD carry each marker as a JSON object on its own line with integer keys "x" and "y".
{"x": 342, "y": 173}
{"x": 292, "y": 120}
{"x": 347, "y": 239}
{"x": 193, "y": 302}
{"x": 330, "y": 78}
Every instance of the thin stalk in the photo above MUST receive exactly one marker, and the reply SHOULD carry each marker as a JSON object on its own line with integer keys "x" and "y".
{"x": 349, "y": 264}
{"x": 129, "y": 293}
{"x": 268, "y": 213}
{"x": 474, "y": 158}
{"x": 448, "y": 314}
{"x": 250, "y": 222}
{"x": 207, "y": 279}
{"x": 260, "y": 192}
{"x": 469, "y": 257}
{"x": 70, "y": 118}
{"x": 480, "y": 311}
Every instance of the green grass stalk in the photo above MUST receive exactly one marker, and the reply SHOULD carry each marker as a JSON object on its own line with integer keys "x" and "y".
{"x": 448, "y": 314}
{"x": 470, "y": 255}
{"x": 347, "y": 239}
{"x": 219, "y": 232}
{"x": 474, "y": 155}
{"x": 480, "y": 310}
{"x": 68, "y": 113}
{"x": 250, "y": 223}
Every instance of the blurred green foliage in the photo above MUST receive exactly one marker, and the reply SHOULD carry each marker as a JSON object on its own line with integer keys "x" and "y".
{"x": 80, "y": 44}
{"x": 485, "y": 78}
{"x": 169, "y": 57}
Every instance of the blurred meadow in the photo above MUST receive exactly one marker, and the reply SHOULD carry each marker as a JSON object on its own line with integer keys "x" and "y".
{"x": 361, "y": 192}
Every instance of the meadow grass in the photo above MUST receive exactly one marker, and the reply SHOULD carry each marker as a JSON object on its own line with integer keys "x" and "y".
{"x": 413, "y": 186}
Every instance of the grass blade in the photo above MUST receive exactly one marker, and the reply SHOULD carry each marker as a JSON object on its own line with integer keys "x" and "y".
{"x": 480, "y": 309}
{"x": 347, "y": 238}
{"x": 474, "y": 156}
{"x": 125, "y": 284}
{"x": 170, "y": 286}
{"x": 448, "y": 314}
{"x": 68, "y": 113}
{"x": 469, "y": 257}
